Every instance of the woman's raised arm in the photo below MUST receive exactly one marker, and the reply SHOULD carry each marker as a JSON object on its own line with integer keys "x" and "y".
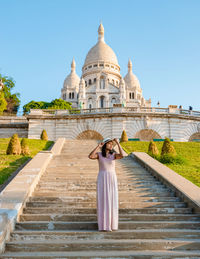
{"x": 120, "y": 155}
{"x": 93, "y": 154}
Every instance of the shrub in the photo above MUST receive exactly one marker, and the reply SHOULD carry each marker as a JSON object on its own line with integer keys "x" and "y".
{"x": 14, "y": 147}
{"x": 168, "y": 148}
{"x": 24, "y": 147}
{"x": 171, "y": 159}
{"x": 124, "y": 137}
{"x": 153, "y": 150}
{"x": 44, "y": 135}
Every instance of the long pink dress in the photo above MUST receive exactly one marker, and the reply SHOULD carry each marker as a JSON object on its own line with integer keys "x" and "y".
{"x": 107, "y": 194}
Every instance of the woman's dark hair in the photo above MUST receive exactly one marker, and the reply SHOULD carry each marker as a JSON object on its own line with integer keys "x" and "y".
{"x": 103, "y": 150}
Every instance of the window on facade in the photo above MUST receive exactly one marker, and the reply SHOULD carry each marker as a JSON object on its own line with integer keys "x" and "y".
{"x": 86, "y": 68}
{"x": 112, "y": 67}
{"x": 113, "y": 82}
{"x": 131, "y": 95}
{"x": 73, "y": 95}
{"x": 102, "y": 83}
{"x": 90, "y": 81}
{"x": 107, "y": 65}
{"x": 101, "y": 65}
{"x": 95, "y": 65}
{"x": 113, "y": 100}
{"x": 102, "y": 101}
{"x": 95, "y": 80}
{"x": 90, "y": 67}
{"x": 70, "y": 95}
{"x": 85, "y": 83}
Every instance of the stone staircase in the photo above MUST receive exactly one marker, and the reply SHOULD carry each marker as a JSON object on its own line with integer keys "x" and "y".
{"x": 59, "y": 220}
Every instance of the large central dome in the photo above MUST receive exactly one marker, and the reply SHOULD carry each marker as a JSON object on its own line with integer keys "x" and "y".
{"x": 101, "y": 51}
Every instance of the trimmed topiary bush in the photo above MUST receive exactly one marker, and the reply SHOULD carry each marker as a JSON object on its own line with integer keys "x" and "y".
{"x": 168, "y": 148}
{"x": 14, "y": 147}
{"x": 44, "y": 135}
{"x": 124, "y": 137}
{"x": 24, "y": 147}
{"x": 152, "y": 149}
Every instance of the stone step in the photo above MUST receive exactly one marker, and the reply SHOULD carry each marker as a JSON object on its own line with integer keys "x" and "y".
{"x": 122, "y": 217}
{"x": 165, "y": 193}
{"x": 98, "y": 245}
{"x": 166, "y": 234}
{"x": 93, "y": 186}
{"x": 156, "y": 189}
{"x": 159, "y": 254}
{"x": 89, "y": 199}
{"x": 60, "y": 221}
{"x": 57, "y": 225}
{"x": 92, "y": 183}
{"x": 74, "y": 210}
{"x": 122, "y": 204}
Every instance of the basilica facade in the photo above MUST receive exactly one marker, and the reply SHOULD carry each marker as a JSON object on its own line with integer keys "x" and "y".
{"x": 101, "y": 85}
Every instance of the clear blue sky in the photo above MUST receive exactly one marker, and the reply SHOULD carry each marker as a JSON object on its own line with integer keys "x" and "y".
{"x": 40, "y": 37}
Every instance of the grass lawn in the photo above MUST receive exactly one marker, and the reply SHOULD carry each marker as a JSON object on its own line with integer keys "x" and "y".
{"x": 9, "y": 163}
{"x": 188, "y": 150}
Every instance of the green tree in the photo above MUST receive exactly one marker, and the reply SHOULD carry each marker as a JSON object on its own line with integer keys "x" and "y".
{"x": 54, "y": 104}
{"x": 12, "y": 100}
{"x": 35, "y": 105}
{"x": 60, "y": 104}
{"x": 3, "y": 103}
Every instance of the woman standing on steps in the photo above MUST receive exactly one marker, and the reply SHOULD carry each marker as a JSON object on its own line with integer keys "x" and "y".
{"x": 107, "y": 189}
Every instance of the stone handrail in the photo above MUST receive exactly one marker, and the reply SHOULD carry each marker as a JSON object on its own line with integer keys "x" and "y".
{"x": 145, "y": 110}
{"x": 16, "y": 193}
{"x": 182, "y": 187}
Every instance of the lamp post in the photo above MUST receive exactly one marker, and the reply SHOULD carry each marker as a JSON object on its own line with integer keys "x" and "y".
{"x": 158, "y": 104}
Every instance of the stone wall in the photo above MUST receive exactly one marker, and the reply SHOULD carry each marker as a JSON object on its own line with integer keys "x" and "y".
{"x": 11, "y": 125}
{"x": 175, "y": 126}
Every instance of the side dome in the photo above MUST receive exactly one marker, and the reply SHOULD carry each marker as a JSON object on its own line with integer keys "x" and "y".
{"x": 72, "y": 80}
{"x": 130, "y": 79}
{"x": 101, "y": 51}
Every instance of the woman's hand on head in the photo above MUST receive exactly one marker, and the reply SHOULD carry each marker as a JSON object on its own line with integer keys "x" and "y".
{"x": 116, "y": 140}
{"x": 100, "y": 145}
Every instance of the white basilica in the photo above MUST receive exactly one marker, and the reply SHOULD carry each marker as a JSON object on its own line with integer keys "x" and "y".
{"x": 101, "y": 84}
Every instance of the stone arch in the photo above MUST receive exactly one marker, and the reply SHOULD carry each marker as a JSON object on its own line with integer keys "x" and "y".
{"x": 196, "y": 135}
{"x": 147, "y": 135}
{"x": 89, "y": 134}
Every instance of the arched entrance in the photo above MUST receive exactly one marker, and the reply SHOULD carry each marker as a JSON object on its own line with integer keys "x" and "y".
{"x": 195, "y": 136}
{"x": 90, "y": 134}
{"x": 113, "y": 101}
{"x": 147, "y": 135}
{"x": 90, "y": 103}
